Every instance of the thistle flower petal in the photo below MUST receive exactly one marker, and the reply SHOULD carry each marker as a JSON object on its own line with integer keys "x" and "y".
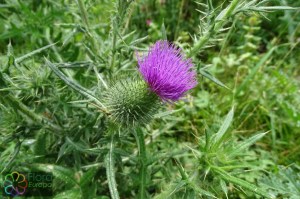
{"x": 167, "y": 72}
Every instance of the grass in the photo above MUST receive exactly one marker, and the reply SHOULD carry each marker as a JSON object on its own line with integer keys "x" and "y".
{"x": 236, "y": 135}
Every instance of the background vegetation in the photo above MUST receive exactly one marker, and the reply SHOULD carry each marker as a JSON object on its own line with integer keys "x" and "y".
{"x": 236, "y": 135}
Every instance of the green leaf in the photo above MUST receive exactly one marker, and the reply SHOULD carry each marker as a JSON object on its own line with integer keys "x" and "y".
{"x": 285, "y": 182}
{"x": 40, "y": 144}
{"x": 28, "y": 55}
{"x": 170, "y": 192}
{"x": 218, "y": 138}
{"x": 212, "y": 78}
{"x": 224, "y": 187}
{"x": 64, "y": 149}
{"x": 163, "y": 31}
{"x": 80, "y": 147}
{"x": 74, "y": 193}
{"x": 253, "y": 72}
{"x": 138, "y": 41}
{"x": 65, "y": 174}
{"x": 237, "y": 181}
{"x": 10, "y": 54}
{"x": 166, "y": 113}
{"x": 245, "y": 144}
{"x": 87, "y": 177}
{"x": 85, "y": 92}
{"x": 201, "y": 191}
{"x": 270, "y": 8}
{"x": 13, "y": 156}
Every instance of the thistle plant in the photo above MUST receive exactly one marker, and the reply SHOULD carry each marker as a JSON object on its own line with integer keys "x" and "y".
{"x": 116, "y": 114}
{"x": 165, "y": 77}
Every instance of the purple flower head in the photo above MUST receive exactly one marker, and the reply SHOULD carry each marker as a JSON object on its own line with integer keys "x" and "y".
{"x": 167, "y": 72}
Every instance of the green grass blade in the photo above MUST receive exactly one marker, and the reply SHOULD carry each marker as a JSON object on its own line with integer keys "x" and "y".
{"x": 246, "y": 82}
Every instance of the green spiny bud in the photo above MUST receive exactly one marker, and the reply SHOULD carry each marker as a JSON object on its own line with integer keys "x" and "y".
{"x": 130, "y": 102}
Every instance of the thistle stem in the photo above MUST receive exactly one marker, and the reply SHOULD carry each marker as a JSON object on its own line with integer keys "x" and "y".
{"x": 214, "y": 28}
{"x": 143, "y": 163}
{"x": 114, "y": 42}
{"x": 110, "y": 171}
{"x": 84, "y": 16}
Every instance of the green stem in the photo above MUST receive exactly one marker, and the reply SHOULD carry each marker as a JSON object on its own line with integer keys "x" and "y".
{"x": 179, "y": 18}
{"x": 214, "y": 28}
{"x": 114, "y": 42}
{"x": 84, "y": 16}
{"x": 143, "y": 163}
{"x": 110, "y": 171}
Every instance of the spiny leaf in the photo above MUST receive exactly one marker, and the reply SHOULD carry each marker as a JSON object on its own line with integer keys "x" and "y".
{"x": 65, "y": 174}
{"x": 28, "y": 55}
{"x": 212, "y": 78}
{"x": 166, "y": 113}
{"x": 80, "y": 147}
{"x": 279, "y": 8}
{"x": 74, "y": 193}
{"x": 169, "y": 193}
{"x": 87, "y": 177}
{"x": 225, "y": 125}
{"x": 237, "y": 181}
{"x": 224, "y": 187}
{"x": 240, "y": 147}
{"x": 73, "y": 84}
{"x": 13, "y": 156}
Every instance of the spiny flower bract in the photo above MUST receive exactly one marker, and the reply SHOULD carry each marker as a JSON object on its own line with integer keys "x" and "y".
{"x": 130, "y": 102}
{"x": 167, "y": 72}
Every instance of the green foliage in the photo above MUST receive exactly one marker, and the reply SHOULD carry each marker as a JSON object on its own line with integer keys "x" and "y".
{"x": 67, "y": 71}
{"x": 284, "y": 183}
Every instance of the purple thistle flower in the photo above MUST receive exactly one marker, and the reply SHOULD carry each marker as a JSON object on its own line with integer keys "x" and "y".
{"x": 167, "y": 72}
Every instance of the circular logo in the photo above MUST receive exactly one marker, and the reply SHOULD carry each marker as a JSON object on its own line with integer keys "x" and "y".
{"x": 15, "y": 184}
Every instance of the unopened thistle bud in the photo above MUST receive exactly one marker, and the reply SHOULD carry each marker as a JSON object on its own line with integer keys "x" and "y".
{"x": 130, "y": 102}
{"x": 167, "y": 76}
